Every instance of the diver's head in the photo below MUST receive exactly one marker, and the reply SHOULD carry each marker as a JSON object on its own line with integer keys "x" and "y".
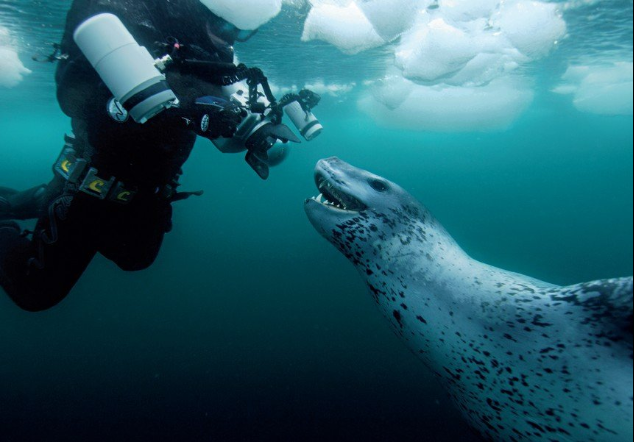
{"x": 246, "y": 15}
{"x": 224, "y": 34}
{"x": 226, "y": 31}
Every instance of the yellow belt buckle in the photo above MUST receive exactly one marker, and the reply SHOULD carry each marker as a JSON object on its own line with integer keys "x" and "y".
{"x": 68, "y": 166}
{"x": 122, "y": 195}
{"x": 95, "y": 186}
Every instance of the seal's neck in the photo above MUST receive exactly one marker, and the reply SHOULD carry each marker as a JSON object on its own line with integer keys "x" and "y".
{"x": 434, "y": 266}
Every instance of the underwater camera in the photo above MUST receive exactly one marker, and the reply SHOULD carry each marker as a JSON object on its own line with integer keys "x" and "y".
{"x": 139, "y": 86}
{"x": 261, "y": 130}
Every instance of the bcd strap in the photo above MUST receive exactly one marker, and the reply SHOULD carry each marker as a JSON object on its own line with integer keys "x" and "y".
{"x": 73, "y": 170}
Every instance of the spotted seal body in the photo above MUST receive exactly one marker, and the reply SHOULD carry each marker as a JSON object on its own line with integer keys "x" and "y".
{"x": 522, "y": 359}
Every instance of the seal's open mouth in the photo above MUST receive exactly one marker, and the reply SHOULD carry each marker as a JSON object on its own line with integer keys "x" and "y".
{"x": 334, "y": 197}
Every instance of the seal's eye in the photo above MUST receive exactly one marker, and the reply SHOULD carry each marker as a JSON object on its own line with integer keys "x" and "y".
{"x": 379, "y": 186}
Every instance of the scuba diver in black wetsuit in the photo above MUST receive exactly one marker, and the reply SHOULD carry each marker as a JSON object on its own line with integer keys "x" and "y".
{"x": 118, "y": 172}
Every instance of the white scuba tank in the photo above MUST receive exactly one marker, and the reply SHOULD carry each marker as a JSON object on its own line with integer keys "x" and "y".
{"x": 127, "y": 69}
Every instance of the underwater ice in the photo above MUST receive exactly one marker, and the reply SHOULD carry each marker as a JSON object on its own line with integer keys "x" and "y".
{"x": 605, "y": 90}
{"x": 407, "y": 105}
{"x": 453, "y": 53}
{"x": 345, "y": 27}
{"x": 450, "y": 33}
{"x": 245, "y": 14}
{"x": 12, "y": 70}
{"x": 390, "y": 18}
{"x": 531, "y": 27}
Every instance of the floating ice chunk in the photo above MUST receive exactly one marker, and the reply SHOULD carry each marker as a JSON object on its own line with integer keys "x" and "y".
{"x": 450, "y": 108}
{"x": 331, "y": 89}
{"x": 12, "y": 70}
{"x": 605, "y": 90}
{"x": 472, "y": 42}
{"x": 245, "y": 14}
{"x": 496, "y": 56}
{"x": 465, "y": 10}
{"x": 391, "y": 18}
{"x": 486, "y": 67}
{"x": 435, "y": 49}
{"x": 392, "y": 91}
{"x": 342, "y": 25}
{"x": 576, "y": 4}
{"x": 532, "y": 27}
{"x": 280, "y": 90}
{"x": 318, "y": 86}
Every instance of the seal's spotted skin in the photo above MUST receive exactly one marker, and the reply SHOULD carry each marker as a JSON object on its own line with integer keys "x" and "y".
{"x": 523, "y": 360}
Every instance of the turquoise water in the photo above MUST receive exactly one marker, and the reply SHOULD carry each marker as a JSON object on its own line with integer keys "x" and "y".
{"x": 250, "y": 326}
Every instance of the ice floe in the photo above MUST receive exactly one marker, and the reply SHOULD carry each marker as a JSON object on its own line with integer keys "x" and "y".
{"x": 245, "y": 14}
{"x": 344, "y": 26}
{"x": 604, "y": 90}
{"x": 453, "y": 55}
{"x": 12, "y": 71}
{"x": 407, "y": 105}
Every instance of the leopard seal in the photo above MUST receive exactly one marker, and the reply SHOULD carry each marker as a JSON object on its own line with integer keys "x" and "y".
{"x": 522, "y": 359}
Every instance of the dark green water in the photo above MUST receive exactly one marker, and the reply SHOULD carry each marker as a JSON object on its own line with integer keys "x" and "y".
{"x": 251, "y": 327}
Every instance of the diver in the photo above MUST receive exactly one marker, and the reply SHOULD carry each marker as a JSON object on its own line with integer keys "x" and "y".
{"x": 118, "y": 173}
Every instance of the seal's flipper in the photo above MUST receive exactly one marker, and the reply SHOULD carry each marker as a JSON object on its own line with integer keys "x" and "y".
{"x": 608, "y": 301}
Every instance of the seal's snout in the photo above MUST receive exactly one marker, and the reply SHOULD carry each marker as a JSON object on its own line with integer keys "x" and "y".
{"x": 336, "y": 170}
{"x": 331, "y": 160}
{"x": 333, "y": 182}
{"x": 329, "y": 169}
{"x": 329, "y": 164}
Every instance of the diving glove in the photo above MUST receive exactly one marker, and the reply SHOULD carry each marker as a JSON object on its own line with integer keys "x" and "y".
{"x": 21, "y": 205}
{"x": 216, "y": 117}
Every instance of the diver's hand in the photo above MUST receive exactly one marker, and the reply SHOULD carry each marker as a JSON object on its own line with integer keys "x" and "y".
{"x": 216, "y": 117}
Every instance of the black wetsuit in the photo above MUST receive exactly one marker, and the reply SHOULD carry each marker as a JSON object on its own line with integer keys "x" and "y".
{"x": 38, "y": 273}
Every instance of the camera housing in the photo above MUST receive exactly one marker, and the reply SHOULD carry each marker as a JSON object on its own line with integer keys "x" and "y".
{"x": 261, "y": 132}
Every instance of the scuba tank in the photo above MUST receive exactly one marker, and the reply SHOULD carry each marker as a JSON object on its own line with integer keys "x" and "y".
{"x": 127, "y": 69}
